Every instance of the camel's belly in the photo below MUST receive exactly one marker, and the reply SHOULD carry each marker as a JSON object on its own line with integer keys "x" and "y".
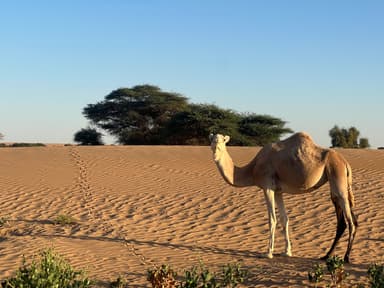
{"x": 294, "y": 190}
{"x": 306, "y": 184}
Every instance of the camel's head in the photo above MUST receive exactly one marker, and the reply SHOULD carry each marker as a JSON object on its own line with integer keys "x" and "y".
{"x": 218, "y": 142}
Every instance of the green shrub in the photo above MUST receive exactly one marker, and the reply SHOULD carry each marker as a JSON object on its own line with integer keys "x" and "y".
{"x": 335, "y": 266}
{"x": 197, "y": 277}
{"x": 3, "y": 221}
{"x": 120, "y": 282}
{"x": 63, "y": 219}
{"x": 376, "y": 275}
{"x": 191, "y": 278}
{"x": 200, "y": 277}
{"x": 316, "y": 275}
{"x": 27, "y": 145}
{"x": 162, "y": 277}
{"x": 49, "y": 271}
{"x": 233, "y": 275}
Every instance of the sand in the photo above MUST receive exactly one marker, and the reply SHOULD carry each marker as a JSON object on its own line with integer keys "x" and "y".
{"x": 141, "y": 206}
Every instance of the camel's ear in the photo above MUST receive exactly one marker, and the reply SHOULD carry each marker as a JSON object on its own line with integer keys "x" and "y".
{"x": 226, "y": 138}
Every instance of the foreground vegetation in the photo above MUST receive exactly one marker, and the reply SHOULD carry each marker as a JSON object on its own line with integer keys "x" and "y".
{"x": 337, "y": 275}
{"x": 198, "y": 276}
{"x": 50, "y": 270}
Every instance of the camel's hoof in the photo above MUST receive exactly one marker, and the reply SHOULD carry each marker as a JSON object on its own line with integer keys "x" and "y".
{"x": 287, "y": 254}
{"x": 324, "y": 257}
{"x": 268, "y": 255}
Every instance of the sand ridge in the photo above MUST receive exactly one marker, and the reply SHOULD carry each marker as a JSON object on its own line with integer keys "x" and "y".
{"x": 138, "y": 206}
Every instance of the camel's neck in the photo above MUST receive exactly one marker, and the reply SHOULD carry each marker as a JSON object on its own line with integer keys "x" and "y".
{"x": 233, "y": 175}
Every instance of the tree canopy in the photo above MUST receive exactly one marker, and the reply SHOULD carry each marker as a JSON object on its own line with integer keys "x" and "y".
{"x": 145, "y": 114}
{"x": 88, "y": 136}
{"x": 193, "y": 125}
{"x": 347, "y": 138}
{"x": 135, "y": 115}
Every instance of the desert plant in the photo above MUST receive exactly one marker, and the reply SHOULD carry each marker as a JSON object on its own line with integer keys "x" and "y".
{"x": 63, "y": 219}
{"x": 376, "y": 275}
{"x": 50, "y": 270}
{"x": 335, "y": 266}
{"x": 4, "y": 221}
{"x": 197, "y": 277}
{"x": 200, "y": 277}
{"x": 208, "y": 279}
{"x": 120, "y": 282}
{"x": 233, "y": 275}
{"x": 162, "y": 277}
{"x": 191, "y": 278}
{"x": 316, "y": 274}
{"x": 16, "y": 145}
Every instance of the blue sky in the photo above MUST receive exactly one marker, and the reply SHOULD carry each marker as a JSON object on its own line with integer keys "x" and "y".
{"x": 313, "y": 64}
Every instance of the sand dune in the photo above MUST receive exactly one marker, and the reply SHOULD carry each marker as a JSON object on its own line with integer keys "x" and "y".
{"x": 139, "y": 206}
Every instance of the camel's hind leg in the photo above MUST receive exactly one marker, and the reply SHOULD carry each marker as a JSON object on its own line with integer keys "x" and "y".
{"x": 341, "y": 225}
{"x": 352, "y": 225}
{"x": 343, "y": 200}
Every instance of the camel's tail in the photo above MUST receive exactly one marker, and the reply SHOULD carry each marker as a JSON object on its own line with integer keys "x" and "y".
{"x": 351, "y": 198}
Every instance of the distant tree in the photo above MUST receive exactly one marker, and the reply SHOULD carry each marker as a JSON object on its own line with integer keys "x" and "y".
{"x": 88, "y": 136}
{"x": 337, "y": 137}
{"x": 364, "y": 143}
{"x": 346, "y": 138}
{"x": 145, "y": 114}
{"x": 262, "y": 129}
{"x": 1, "y": 138}
{"x": 193, "y": 125}
{"x": 136, "y": 115}
{"x": 352, "y": 137}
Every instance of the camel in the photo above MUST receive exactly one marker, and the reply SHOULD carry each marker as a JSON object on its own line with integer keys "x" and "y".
{"x": 294, "y": 165}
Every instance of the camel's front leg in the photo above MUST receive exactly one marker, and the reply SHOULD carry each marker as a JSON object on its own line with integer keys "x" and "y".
{"x": 284, "y": 222}
{"x": 270, "y": 199}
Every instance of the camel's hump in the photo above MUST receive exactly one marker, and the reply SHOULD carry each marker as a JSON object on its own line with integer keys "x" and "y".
{"x": 299, "y": 138}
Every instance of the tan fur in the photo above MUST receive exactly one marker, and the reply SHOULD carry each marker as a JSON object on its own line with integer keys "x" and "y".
{"x": 295, "y": 165}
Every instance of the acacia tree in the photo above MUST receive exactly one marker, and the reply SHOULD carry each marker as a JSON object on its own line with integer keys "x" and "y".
{"x": 135, "y": 115}
{"x": 262, "y": 129}
{"x": 145, "y": 114}
{"x": 193, "y": 125}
